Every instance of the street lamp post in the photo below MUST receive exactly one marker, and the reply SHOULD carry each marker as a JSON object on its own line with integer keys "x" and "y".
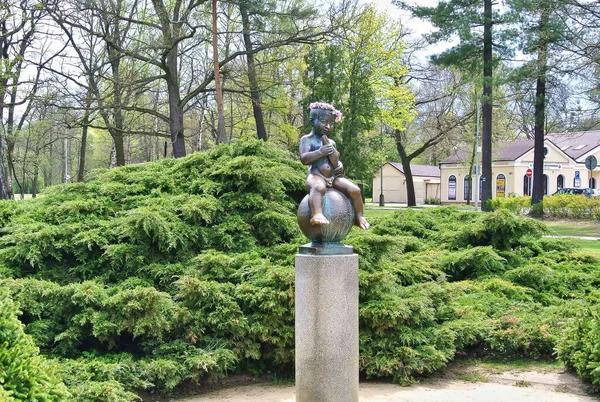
{"x": 381, "y": 197}
{"x": 66, "y": 145}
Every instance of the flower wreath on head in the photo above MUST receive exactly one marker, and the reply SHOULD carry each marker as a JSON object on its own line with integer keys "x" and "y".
{"x": 327, "y": 106}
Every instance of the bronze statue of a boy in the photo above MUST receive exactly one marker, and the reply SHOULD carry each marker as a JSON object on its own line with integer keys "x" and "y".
{"x": 325, "y": 168}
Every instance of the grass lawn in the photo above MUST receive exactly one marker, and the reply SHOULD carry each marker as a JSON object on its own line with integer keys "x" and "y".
{"x": 590, "y": 247}
{"x": 563, "y": 227}
{"x": 375, "y": 211}
{"x": 378, "y": 212}
{"x": 585, "y": 228}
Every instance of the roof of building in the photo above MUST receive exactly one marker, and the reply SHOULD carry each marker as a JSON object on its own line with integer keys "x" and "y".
{"x": 575, "y": 145}
{"x": 457, "y": 157}
{"x": 419, "y": 170}
{"x": 509, "y": 151}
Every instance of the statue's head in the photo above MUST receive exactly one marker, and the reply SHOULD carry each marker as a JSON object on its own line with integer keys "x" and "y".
{"x": 324, "y": 112}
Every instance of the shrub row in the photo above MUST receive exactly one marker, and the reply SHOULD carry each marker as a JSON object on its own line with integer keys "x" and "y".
{"x": 558, "y": 206}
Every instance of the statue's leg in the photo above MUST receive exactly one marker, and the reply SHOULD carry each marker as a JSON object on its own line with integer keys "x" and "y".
{"x": 316, "y": 190}
{"x": 352, "y": 191}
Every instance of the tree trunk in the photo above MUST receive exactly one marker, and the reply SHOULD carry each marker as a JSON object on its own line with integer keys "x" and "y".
{"x": 261, "y": 131}
{"x": 118, "y": 132}
{"x": 410, "y": 185}
{"x": 84, "y": 131}
{"x": 119, "y": 148}
{"x": 48, "y": 172}
{"x": 81, "y": 170}
{"x": 112, "y": 160}
{"x": 486, "y": 136}
{"x": 118, "y": 137}
{"x": 538, "y": 152}
{"x": 11, "y": 136}
{"x": 411, "y": 199}
{"x": 221, "y": 135}
{"x": 6, "y": 192}
{"x": 540, "y": 116}
{"x": 472, "y": 166}
{"x": 36, "y": 168}
{"x": 5, "y": 181}
{"x": 34, "y": 182}
{"x": 176, "y": 125}
{"x": 175, "y": 106}
{"x": 10, "y": 154}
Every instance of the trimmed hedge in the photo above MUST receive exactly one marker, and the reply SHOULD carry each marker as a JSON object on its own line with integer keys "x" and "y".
{"x": 559, "y": 206}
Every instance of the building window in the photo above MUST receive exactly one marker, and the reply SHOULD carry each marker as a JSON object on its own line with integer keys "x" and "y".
{"x": 545, "y": 184}
{"x": 500, "y": 185}
{"x": 592, "y": 182}
{"x": 467, "y": 188}
{"x": 560, "y": 181}
{"x": 452, "y": 187}
{"x": 526, "y": 185}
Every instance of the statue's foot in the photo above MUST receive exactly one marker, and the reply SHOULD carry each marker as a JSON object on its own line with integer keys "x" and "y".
{"x": 319, "y": 219}
{"x": 362, "y": 223}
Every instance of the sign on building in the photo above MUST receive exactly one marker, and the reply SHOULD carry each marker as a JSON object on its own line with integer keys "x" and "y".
{"x": 500, "y": 185}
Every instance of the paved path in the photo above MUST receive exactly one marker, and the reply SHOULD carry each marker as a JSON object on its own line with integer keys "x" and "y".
{"x": 529, "y": 386}
{"x": 574, "y": 237}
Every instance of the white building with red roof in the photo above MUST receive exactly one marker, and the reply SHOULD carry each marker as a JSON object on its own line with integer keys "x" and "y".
{"x": 564, "y": 166}
{"x": 425, "y": 178}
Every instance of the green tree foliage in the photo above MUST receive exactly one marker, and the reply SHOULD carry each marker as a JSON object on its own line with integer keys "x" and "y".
{"x": 182, "y": 271}
{"x": 360, "y": 67}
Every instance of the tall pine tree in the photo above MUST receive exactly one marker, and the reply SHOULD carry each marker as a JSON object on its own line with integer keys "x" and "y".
{"x": 544, "y": 32}
{"x": 473, "y": 22}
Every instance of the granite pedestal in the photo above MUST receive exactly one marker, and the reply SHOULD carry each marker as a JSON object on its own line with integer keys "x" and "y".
{"x": 326, "y": 328}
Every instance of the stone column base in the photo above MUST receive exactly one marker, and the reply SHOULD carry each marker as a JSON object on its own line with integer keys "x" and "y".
{"x": 326, "y": 328}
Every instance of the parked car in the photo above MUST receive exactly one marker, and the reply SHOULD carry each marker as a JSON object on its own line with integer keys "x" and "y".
{"x": 588, "y": 192}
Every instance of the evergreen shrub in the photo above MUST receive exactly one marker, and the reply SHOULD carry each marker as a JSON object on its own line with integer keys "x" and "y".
{"x": 24, "y": 374}
{"x": 518, "y": 205}
{"x": 432, "y": 201}
{"x": 151, "y": 276}
{"x": 580, "y": 346}
{"x": 472, "y": 263}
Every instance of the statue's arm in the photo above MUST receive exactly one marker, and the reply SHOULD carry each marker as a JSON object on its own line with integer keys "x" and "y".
{"x": 339, "y": 169}
{"x": 307, "y": 157}
{"x": 334, "y": 157}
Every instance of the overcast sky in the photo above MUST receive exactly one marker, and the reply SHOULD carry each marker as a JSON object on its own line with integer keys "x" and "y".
{"x": 414, "y": 25}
